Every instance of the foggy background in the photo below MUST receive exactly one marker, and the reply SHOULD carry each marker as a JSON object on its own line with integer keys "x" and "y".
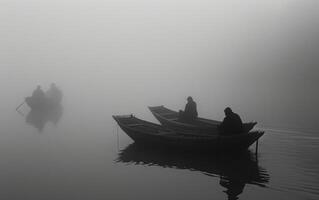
{"x": 117, "y": 57}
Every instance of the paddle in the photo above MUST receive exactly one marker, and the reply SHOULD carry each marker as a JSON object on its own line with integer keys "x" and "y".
{"x": 20, "y": 105}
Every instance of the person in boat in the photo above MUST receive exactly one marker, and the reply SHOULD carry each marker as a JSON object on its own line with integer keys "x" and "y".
{"x": 37, "y": 99}
{"x": 232, "y": 123}
{"x": 54, "y": 94}
{"x": 38, "y": 94}
{"x": 190, "y": 112}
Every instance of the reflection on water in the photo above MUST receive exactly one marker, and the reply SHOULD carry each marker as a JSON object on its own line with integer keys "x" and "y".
{"x": 234, "y": 171}
{"x": 38, "y": 118}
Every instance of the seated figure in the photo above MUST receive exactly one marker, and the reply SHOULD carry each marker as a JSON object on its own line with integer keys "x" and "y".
{"x": 190, "y": 112}
{"x": 38, "y": 94}
{"x": 232, "y": 123}
{"x": 54, "y": 94}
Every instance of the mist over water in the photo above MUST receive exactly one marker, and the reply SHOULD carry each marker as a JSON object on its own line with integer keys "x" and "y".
{"x": 258, "y": 57}
{"x": 118, "y": 57}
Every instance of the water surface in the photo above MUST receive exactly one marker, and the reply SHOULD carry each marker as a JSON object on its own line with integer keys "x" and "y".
{"x": 120, "y": 56}
{"x": 84, "y": 155}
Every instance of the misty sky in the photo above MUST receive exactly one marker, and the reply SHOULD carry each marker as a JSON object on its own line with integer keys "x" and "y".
{"x": 259, "y": 57}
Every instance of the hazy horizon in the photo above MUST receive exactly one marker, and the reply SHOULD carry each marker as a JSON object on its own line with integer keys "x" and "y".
{"x": 260, "y": 58}
{"x": 113, "y": 57}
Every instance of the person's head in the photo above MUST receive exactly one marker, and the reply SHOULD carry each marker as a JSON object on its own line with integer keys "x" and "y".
{"x": 189, "y": 99}
{"x": 228, "y": 111}
{"x": 38, "y": 87}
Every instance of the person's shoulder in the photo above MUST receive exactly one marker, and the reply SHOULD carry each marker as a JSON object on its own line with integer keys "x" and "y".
{"x": 236, "y": 115}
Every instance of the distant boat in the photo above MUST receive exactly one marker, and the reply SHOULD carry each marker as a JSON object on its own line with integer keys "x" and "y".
{"x": 148, "y": 133}
{"x": 43, "y": 104}
{"x": 170, "y": 119}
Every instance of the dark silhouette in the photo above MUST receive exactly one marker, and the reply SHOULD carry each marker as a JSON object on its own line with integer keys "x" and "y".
{"x": 232, "y": 123}
{"x": 37, "y": 100}
{"x": 45, "y": 107}
{"x": 54, "y": 94}
{"x": 38, "y": 95}
{"x": 233, "y": 170}
{"x": 38, "y": 118}
{"x": 44, "y": 101}
{"x": 190, "y": 112}
{"x": 157, "y": 136}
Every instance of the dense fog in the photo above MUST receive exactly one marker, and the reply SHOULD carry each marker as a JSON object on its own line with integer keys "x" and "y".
{"x": 120, "y": 56}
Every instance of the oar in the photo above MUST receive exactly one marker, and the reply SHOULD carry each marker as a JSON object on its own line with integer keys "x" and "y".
{"x": 20, "y": 105}
{"x": 18, "y": 111}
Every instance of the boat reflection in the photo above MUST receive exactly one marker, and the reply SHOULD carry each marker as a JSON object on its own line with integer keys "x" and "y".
{"x": 38, "y": 118}
{"x": 234, "y": 171}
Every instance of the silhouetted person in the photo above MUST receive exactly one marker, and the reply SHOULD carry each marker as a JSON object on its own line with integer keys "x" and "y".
{"x": 54, "y": 94}
{"x": 232, "y": 123}
{"x": 190, "y": 112}
{"x": 38, "y": 94}
{"x": 37, "y": 100}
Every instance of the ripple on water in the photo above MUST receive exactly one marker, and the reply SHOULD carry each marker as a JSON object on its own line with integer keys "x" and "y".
{"x": 291, "y": 157}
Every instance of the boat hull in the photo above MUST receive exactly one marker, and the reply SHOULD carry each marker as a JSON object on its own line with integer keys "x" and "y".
{"x": 164, "y": 138}
{"x": 41, "y": 105}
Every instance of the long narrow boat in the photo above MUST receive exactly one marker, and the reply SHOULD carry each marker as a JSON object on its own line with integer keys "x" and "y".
{"x": 43, "y": 104}
{"x": 170, "y": 119}
{"x": 148, "y": 133}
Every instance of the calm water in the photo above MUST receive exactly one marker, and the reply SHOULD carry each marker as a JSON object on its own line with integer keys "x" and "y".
{"x": 80, "y": 154}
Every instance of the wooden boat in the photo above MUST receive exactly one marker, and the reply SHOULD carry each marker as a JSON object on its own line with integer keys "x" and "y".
{"x": 42, "y": 104}
{"x": 147, "y": 133}
{"x": 170, "y": 119}
{"x": 50, "y": 100}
